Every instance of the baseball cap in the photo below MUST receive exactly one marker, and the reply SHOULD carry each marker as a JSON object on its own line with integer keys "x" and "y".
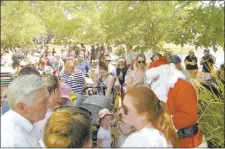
{"x": 175, "y": 59}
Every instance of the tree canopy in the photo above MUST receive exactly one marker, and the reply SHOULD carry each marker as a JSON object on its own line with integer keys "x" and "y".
{"x": 145, "y": 23}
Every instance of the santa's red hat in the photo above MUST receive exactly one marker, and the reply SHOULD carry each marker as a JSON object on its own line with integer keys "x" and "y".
{"x": 161, "y": 61}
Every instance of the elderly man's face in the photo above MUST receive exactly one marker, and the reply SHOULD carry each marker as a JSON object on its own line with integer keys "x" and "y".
{"x": 37, "y": 110}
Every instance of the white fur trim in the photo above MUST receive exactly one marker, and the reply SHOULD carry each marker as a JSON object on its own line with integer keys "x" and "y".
{"x": 167, "y": 78}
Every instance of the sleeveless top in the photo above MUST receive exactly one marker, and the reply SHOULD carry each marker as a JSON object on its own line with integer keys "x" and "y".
{"x": 103, "y": 84}
{"x": 135, "y": 78}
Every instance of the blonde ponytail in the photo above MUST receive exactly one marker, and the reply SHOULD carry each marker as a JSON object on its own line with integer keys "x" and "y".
{"x": 65, "y": 129}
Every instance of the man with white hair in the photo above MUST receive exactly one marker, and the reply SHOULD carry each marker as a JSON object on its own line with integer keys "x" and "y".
{"x": 27, "y": 98}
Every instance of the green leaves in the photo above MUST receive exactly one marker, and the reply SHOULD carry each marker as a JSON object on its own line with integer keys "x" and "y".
{"x": 18, "y": 25}
{"x": 143, "y": 23}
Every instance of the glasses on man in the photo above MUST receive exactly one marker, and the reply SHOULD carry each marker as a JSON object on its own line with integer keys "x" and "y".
{"x": 143, "y": 62}
{"x": 107, "y": 61}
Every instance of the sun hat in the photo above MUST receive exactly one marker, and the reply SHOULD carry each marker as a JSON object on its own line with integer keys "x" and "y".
{"x": 65, "y": 90}
{"x": 103, "y": 112}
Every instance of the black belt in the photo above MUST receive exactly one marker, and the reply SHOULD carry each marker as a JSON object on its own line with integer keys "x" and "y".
{"x": 188, "y": 131}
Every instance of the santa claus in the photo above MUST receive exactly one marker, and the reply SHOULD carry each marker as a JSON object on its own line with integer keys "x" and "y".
{"x": 170, "y": 86}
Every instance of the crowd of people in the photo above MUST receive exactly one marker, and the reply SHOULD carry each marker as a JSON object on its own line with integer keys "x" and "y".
{"x": 159, "y": 102}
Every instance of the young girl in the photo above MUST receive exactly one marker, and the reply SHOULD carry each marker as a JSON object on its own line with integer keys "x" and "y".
{"x": 104, "y": 132}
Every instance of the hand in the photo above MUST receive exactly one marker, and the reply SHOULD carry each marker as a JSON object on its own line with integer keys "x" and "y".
{"x": 202, "y": 60}
{"x": 139, "y": 80}
{"x": 133, "y": 129}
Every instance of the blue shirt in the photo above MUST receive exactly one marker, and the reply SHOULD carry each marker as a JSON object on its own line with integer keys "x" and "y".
{"x": 83, "y": 66}
{"x": 5, "y": 106}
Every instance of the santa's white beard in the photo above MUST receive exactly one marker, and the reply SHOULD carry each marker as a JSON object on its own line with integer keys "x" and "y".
{"x": 162, "y": 78}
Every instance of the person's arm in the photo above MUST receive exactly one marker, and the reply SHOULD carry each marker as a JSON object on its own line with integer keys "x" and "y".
{"x": 100, "y": 143}
{"x": 123, "y": 130}
{"x": 186, "y": 109}
{"x": 100, "y": 137}
{"x": 89, "y": 67}
{"x": 186, "y": 61}
{"x": 95, "y": 78}
{"x": 110, "y": 86}
{"x": 130, "y": 83}
{"x": 202, "y": 61}
{"x": 194, "y": 61}
{"x": 211, "y": 61}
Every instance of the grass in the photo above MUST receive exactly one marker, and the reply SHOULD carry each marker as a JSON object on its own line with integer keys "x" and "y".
{"x": 211, "y": 113}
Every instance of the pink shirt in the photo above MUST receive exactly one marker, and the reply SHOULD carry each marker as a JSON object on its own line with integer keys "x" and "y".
{"x": 41, "y": 124}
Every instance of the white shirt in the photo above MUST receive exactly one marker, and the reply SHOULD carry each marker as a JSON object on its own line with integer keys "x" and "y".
{"x": 106, "y": 136}
{"x": 146, "y": 137}
{"x": 111, "y": 69}
{"x": 16, "y": 131}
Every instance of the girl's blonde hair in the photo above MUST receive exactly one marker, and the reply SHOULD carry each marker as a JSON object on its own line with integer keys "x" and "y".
{"x": 69, "y": 64}
{"x": 64, "y": 129}
{"x": 144, "y": 100}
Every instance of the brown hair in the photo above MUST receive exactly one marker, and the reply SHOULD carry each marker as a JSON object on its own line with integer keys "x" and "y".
{"x": 145, "y": 100}
{"x": 191, "y": 51}
{"x": 102, "y": 65}
{"x": 67, "y": 130}
{"x": 42, "y": 62}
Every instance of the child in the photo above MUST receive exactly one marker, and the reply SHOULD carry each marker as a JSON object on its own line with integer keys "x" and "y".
{"x": 104, "y": 132}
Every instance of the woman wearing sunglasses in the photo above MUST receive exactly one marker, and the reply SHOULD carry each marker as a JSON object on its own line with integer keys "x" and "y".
{"x": 142, "y": 110}
{"x": 136, "y": 77}
{"x": 68, "y": 127}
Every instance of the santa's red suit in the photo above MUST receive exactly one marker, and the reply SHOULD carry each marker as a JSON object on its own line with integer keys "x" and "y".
{"x": 170, "y": 86}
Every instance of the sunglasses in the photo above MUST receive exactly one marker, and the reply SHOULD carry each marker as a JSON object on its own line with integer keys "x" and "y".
{"x": 77, "y": 110}
{"x": 107, "y": 60}
{"x": 143, "y": 62}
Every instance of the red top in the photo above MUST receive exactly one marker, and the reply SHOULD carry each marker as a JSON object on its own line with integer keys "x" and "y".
{"x": 182, "y": 104}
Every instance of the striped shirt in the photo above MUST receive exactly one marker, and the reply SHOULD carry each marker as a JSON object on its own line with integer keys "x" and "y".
{"x": 75, "y": 81}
